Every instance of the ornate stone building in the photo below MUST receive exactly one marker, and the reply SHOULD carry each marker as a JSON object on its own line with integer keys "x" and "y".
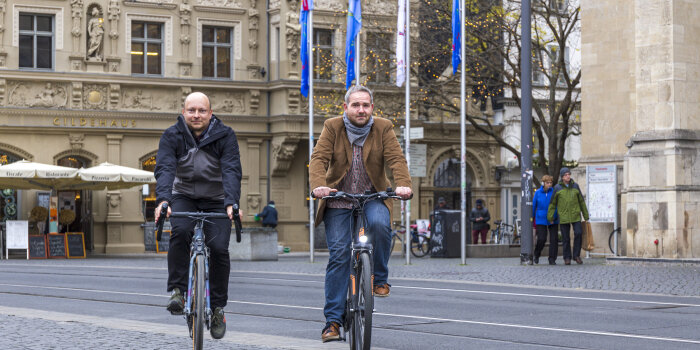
{"x": 90, "y": 81}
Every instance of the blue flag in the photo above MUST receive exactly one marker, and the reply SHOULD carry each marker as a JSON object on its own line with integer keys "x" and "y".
{"x": 306, "y": 6}
{"x": 354, "y": 25}
{"x": 456, "y": 40}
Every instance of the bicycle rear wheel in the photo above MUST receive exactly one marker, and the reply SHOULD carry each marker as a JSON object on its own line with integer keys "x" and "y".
{"x": 420, "y": 249}
{"x": 611, "y": 241}
{"x": 198, "y": 304}
{"x": 365, "y": 305}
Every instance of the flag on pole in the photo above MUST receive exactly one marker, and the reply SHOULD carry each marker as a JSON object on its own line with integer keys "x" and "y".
{"x": 306, "y": 6}
{"x": 354, "y": 25}
{"x": 401, "y": 44}
{"x": 456, "y": 40}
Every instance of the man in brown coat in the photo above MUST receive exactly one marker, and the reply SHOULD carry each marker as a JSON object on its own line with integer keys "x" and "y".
{"x": 350, "y": 156}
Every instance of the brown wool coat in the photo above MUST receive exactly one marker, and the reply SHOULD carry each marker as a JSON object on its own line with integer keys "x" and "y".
{"x": 332, "y": 158}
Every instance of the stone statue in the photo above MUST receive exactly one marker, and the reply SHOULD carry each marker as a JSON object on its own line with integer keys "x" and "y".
{"x": 292, "y": 31}
{"x": 114, "y": 13}
{"x": 2, "y": 22}
{"x": 77, "y": 15}
{"x": 185, "y": 11}
{"x": 95, "y": 35}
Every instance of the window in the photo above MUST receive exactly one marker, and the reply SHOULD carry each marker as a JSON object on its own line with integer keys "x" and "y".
{"x": 217, "y": 47}
{"x": 323, "y": 54}
{"x": 146, "y": 48}
{"x": 275, "y": 54}
{"x": 538, "y": 76}
{"x": 36, "y": 34}
{"x": 379, "y": 57}
{"x": 558, "y": 5}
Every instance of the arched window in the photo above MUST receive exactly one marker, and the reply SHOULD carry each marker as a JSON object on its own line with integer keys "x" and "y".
{"x": 447, "y": 183}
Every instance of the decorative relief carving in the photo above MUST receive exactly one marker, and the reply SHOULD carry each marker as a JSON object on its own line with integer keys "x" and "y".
{"x": 3, "y": 58}
{"x": 230, "y": 103}
{"x": 114, "y": 94}
{"x": 76, "y": 141}
{"x": 3, "y": 87}
{"x": 184, "y": 91}
{"x": 253, "y": 18}
{"x": 220, "y": 3}
{"x": 77, "y": 15}
{"x": 254, "y": 203}
{"x": 274, "y": 4}
{"x": 293, "y": 29}
{"x": 283, "y": 150}
{"x": 50, "y": 95}
{"x": 380, "y": 7}
{"x": 254, "y": 101}
{"x": 332, "y": 5}
{"x": 151, "y": 99}
{"x": 77, "y": 95}
{"x": 293, "y": 101}
{"x": 2, "y": 25}
{"x": 185, "y": 17}
{"x": 114, "y": 13}
{"x": 95, "y": 96}
{"x": 95, "y": 34}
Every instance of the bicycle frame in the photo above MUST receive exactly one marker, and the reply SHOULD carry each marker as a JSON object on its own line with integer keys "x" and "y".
{"x": 198, "y": 248}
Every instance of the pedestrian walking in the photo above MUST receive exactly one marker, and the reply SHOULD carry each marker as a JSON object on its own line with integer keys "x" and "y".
{"x": 479, "y": 217}
{"x": 568, "y": 204}
{"x": 269, "y": 215}
{"x": 540, "y": 206}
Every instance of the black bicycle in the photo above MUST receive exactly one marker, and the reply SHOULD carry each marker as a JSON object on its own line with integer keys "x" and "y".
{"x": 420, "y": 241}
{"x": 197, "y": 310}
{"x": 359, "y": 306}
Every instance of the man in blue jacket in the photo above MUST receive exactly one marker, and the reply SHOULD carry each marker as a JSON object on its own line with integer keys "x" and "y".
{"x": 198, "y": 168}
{"x": 540, "y": 206}
{"x": 269, "y": 215}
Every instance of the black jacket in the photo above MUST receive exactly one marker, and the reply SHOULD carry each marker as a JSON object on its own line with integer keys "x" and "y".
{"x": 475, "y": 213}
{"x": 269, "y": 215}
{"x": 208, "y": 170}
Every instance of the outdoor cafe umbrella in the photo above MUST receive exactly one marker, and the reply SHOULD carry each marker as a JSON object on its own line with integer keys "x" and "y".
{"x": 112, "y": 177}
{"x": 24, "y": 174}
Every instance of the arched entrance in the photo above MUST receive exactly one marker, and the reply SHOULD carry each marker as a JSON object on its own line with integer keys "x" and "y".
{"x": 77, "y": 202}
{"x": 447, "y": 183}
{"x": 8, "y": 196}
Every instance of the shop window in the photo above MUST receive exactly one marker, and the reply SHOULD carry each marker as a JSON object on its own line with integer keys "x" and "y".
{"x": 323, "y": 54}
{"x": 149, "y": 200}
{"x": 36, "y": 40}
{"x": 217, "y": 50}
{"x": 146, "y": 48}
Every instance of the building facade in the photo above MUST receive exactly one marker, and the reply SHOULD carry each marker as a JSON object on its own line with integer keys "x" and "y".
{"x": 84, "y": 82}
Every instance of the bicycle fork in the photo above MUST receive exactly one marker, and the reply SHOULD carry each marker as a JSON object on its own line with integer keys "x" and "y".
{"x": 198, "y": 249}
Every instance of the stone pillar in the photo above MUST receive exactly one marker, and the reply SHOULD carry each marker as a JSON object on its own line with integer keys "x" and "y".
{"x": 253, "y": 201}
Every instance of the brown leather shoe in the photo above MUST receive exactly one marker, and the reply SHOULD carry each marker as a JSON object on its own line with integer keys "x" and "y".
{"x": 578, "y": 260}
{"x": 331, "y": 332}
{"x": 382, "y": 290}
{"x": 567, "y": 261}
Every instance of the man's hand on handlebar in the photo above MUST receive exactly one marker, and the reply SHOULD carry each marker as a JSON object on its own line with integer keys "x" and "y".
{"x": 404, "y": 192}
{"x": 229, "y": 211}
{"x": 320, "y": 192}
{"x": 158, "y": 208}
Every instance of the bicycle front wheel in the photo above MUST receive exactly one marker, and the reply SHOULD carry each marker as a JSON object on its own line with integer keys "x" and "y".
{"x": 365, "y": 305}
{"x": 198, "y": 304}
{"x": 420, "y": 249}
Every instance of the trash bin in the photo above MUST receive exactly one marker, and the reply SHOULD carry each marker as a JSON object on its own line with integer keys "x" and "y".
{"x": 445, "y": 240}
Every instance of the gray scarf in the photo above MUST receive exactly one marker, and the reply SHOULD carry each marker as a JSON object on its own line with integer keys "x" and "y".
{"x": 357, "y": 135}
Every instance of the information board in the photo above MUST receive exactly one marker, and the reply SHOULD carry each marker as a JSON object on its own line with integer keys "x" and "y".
{"x": 419, "y": 159}
{"x": 57, "y": 245}
{"x": 17, "y": 234}
{"x": 75, "y": 244}
{"x": 602, "y": 193}
{"x": 37, "y": 247}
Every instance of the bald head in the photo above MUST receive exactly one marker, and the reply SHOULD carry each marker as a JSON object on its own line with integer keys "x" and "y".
{"x": 197, "y": 95}
{"x": 197, "y": 112}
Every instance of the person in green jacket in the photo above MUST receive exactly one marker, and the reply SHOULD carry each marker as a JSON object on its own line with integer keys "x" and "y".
{"x": 568, "y": 204}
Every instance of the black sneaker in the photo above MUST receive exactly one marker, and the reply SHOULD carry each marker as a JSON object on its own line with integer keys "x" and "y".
{"x": 218, "y": 323}
{"x": 176, "y": 303}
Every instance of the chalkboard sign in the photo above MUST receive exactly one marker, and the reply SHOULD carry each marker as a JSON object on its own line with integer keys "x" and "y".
{"x": 164, "y": 244}
{"x": 37, "y": 247}
{"x": 57, "y": 245}
{"x": 75, "y": 244}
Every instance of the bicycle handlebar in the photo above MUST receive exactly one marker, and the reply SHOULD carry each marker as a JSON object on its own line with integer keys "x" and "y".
{"x": 197, "y": 215}
{"x": 363, "y": 197}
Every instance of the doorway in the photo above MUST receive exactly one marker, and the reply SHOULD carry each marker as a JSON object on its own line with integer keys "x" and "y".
{"x": 76, "y": 204}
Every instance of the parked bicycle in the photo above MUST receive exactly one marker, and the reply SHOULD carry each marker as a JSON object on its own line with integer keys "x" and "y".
{"x": 359, "y": 306}
{"x": 611, "y": 240}
{"x": 197, "y": 310}
{"x": 502, "y": 234}
{"x": 420, "y": 241}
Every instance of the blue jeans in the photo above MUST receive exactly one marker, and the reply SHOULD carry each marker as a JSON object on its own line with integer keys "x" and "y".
{"x": 339, "y": 237}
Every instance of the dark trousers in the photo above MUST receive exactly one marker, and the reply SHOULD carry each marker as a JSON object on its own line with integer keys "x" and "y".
{"x": 217, "y": 233}
{"x": 566, "y": 246}
{"x": 476, "y": 233}
{"x": 542, "y": 231}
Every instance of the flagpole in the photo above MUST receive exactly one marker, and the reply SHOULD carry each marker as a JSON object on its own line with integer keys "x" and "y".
{"x": 463, "y": 137}
{"x": 407, "y": 130}
{"x": 357, "y": 58}
{"x": 310, "y": 46}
